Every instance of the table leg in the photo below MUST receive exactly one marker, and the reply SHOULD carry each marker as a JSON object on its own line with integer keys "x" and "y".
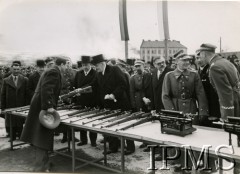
{"x": 122, "y": 155}
{"x": 220, "y": 166}
{"x": 11, "y": 130}
{"x": 68, "y": 139}
{"x": 105, "y": 150}
{"x": 73, "y": 150}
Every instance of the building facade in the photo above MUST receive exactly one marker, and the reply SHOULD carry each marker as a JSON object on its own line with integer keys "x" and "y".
{"x": 150, "y": 49}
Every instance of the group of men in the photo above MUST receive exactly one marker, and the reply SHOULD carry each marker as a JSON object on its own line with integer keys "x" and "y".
{"x": 212, "y": 92}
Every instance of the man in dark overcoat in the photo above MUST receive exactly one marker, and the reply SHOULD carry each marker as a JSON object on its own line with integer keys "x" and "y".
{"x": 157, "y": 81}
{"x": 112, "y": 88}
{"x": 34, "y": 78}
{"x": 45, "y": 98}
{"x": 212, "y": 97}
{"x": 14, "y": 93}
{"x": 83, "y": 79}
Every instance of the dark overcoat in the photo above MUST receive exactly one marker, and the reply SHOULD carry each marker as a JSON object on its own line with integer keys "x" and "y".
{"x": 14, "y": 96}
{"x": 140, "y": 87}
{"x": 81, "y": 81}
{"x": 112, "y": 82}
{"x": 211, "y": 94}
{"x": 46, "y": 96}
{"x": 157, "y": 88}
{"x": 32, "y": 82}
{"x": 225, "y": 79}
{"x": 182, "y": 91}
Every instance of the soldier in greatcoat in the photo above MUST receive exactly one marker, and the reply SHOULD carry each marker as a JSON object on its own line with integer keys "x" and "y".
{"x": 83, "y": 79}
{"x": 226, "y": 80}
{"x": 34, "y": 78}
{"x": 45, "y": 98}
{"x": 14, "y": 93}
{"x": 141, "y": 88}
{"x": 182, "y": 90}
{"x": 112, "y": 88}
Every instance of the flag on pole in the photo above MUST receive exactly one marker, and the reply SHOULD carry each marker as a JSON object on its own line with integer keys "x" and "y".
{"x": 162, "y": 9}
{"x": 123, "y": 20}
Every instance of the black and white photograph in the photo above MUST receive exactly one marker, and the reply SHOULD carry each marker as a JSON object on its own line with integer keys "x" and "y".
{"x": 120, "y": 86}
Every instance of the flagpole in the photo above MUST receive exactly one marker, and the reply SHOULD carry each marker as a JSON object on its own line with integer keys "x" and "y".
{"x": 126, "y": 50}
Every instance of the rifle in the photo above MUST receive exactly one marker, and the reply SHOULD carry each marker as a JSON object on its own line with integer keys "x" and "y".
{"x": 17, "y": 109}
{"x": 91, "y": 115}
{"x": 131, "y": 117}
{"x": 74, "y": 114}
{"x": 141, "y": 121}
{"x": 123, "y": 115}
{"x": 232, "y": 126}
{"x": 177, "y": 123}
{"x": 112, "y": 114}
{"x": 87, "y": 89}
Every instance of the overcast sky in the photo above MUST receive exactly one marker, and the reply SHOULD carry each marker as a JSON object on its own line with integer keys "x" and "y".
{"x": 77, "y": 27}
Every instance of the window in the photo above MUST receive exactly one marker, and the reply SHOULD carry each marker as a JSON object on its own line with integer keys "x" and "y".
{"x": 143, "y": 51}
{"x": 154, "y": 51}
{"x": 148, "y": 51}
{"x": 159, "y": 51}
{"x": 170, "y": 51}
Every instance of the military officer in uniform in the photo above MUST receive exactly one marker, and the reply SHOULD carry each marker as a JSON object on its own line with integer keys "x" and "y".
{"x": 225, "y": 79}
{"x": 182, "y": 88}
{"x": 141, "y": 88}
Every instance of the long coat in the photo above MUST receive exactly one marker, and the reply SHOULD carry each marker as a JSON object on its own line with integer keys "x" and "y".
{"x": 14, "y": 96}
{"x": 46, "y": 96}
{"x": 140, "y": 87}
{"x": 157, "y": 88}
{"x": 32, "y": 82}
{"x": 112, "y": 82}
{"x": 225, "y": 79}
{"x": 211, "y": 94}
{"x": 182, "y": 90}
{"x": 81, "y": 81}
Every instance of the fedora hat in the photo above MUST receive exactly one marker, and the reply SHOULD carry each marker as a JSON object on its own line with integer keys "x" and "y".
{"x": 49, "y": 120}
{"x": 97, "y": 59}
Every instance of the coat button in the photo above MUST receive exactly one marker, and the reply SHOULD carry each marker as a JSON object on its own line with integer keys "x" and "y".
{"x": 183, "y": 104}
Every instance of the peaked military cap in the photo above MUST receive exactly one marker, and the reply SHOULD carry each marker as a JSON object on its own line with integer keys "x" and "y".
{"x": 177, "y": 54}
{"x": 207, "y": 47}
{"x": 138, "y": 62}
{"x": 16, "y": 63}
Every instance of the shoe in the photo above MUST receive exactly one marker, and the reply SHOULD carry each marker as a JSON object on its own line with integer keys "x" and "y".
{"x": 110, "y": 151}
{"x": 128, "y": 152}
{"x": 81, "y": 144}
{"x": 143, "y": 145}
{"x": 13, "y": 139}
{"x": 146, "y": 150}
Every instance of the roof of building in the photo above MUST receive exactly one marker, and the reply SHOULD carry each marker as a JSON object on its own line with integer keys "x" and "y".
{"x": 159, "y": 44}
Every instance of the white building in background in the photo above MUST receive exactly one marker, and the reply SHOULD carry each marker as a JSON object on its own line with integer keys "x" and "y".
{"x": 150, "y": 49}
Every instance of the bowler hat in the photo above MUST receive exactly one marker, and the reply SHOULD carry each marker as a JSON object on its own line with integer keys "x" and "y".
{"x": 85, "y": 59}
{"x": 97, "y": 59}
{"x": 207, "y": 47}
{"x": 49, "y": 120}
{"x": 121, "y": 62}
{"x": 40, "y": 63}
{"x": 130, "y": 61}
